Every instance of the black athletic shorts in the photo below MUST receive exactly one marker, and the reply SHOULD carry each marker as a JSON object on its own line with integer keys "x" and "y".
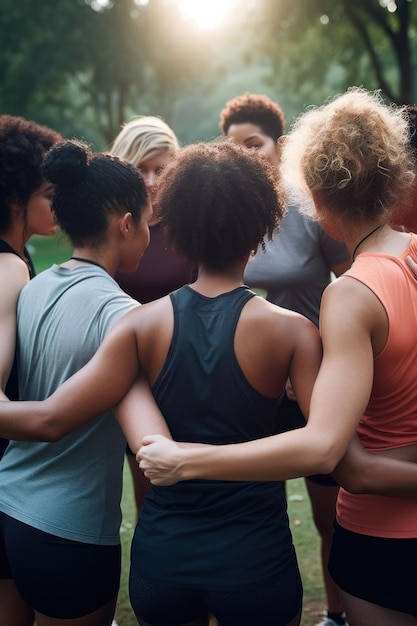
{"x": 58, "y": 577}
{"x": 378, "y": 570}
{"x": 270, "y": 604}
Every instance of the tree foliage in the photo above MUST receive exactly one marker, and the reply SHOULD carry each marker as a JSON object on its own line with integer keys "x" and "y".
{"x": 85, "y": 67}
{"x": 62, "y": 55}
{"x": 347, "y": 42}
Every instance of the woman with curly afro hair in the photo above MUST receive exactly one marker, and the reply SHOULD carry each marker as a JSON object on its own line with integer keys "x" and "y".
{"x": 217, "y": 357}
{"x": 25, "y": 210}
{"x": 352, "y": 158}
{"x": 294, "y": 271}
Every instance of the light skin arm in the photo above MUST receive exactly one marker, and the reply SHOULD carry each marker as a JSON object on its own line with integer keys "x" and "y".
{"x": 98, "y": 386}
{"x": 13, "y": 277}
{"x": 391, "y": 472}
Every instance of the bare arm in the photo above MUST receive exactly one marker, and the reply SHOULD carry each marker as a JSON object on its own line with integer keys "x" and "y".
{"x": 339, "y": 398}
{"x": 98, "y": 386}
{"x": 139, "y": 415}
{"x": 390, "y": 473}
{"x": 13, "y": 277}
{"x": 305, "y": 366}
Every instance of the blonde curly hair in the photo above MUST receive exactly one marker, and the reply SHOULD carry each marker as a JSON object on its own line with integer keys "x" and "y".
{"x": 352, "y": 155}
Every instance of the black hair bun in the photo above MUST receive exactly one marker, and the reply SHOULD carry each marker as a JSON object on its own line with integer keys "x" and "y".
{"x": 66, "y": 163}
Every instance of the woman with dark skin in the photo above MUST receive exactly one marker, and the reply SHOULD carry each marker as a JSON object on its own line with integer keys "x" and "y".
{"x": 352, "y": 157}
{"x": 295, "y": 269}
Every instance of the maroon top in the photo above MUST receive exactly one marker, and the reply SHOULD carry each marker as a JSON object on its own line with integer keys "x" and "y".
{"x": 160, "y": 271}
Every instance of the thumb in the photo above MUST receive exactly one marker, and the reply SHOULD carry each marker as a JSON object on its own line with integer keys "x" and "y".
{"x": 148, "y": 439}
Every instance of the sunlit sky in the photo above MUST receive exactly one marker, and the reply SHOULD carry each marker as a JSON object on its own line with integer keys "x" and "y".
{"x": 203, "y": 14}
{"x": 207, "y": 14}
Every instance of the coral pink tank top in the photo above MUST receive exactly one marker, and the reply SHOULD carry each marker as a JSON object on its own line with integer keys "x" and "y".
{"x": 390, "y": 420}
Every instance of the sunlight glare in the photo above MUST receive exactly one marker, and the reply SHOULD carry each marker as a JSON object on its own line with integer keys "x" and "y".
{"x": 207, "y": 14}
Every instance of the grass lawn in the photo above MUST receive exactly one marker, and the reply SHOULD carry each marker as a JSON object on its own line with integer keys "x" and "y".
{"x": 48, "y": 250}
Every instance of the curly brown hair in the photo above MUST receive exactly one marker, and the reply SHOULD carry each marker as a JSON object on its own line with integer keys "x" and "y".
{"x": 353, "y": 154}
{"x": 412, "y": 127}
{"x": 217, "y": 201}
{"x": 23, "y": 144}
{"x": 256, "y": 109}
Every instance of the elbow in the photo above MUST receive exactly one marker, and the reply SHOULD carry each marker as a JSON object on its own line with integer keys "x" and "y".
{"x": 50, "y": 435}
{"x": 328, "y": 459}
{"x": 52, "y": 431}
{"x": 326, "y": 466}
{"x": 50, "y": 428}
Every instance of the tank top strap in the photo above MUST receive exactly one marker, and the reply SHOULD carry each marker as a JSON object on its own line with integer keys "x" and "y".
{"x": 5, "y": 247}
{"x": 215, "y": 316}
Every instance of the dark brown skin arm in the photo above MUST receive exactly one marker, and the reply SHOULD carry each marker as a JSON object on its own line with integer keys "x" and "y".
{"x": 390, "y": 473}
{"x": 138, "y": 414}
{"x": 98, "y": 386}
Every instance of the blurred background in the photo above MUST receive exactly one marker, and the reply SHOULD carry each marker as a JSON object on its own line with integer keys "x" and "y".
{"x": 84, "y": 67}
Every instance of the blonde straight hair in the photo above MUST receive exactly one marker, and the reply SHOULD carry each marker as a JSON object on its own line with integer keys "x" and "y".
{"x": 144, "y": 138}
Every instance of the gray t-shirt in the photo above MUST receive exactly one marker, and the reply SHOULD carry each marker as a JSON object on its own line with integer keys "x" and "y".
{"x": 296, "y": 267}
{"x": 70, "y": 488}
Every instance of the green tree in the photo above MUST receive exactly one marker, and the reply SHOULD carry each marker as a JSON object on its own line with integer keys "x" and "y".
{"x": 341, "y": 43}
{"x": 86, "y": 66}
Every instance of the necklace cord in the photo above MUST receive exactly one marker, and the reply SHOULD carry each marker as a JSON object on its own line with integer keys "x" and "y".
{"x": 358, "y": 245}
{"x": 82, "y": 260}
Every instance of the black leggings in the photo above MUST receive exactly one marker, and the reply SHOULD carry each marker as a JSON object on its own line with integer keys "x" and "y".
{"x": 270, "y": 604}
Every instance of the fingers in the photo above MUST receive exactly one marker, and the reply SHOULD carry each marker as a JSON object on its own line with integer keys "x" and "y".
{"x": 157, "y": 476}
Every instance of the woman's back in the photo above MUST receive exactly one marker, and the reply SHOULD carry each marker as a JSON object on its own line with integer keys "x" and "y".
{"x": 60, "y": 328}
{"x": 205, "y": 396}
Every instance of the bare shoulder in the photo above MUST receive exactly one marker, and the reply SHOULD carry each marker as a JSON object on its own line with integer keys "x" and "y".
{"x": 269, "y": 339}
{"x": 348, "y": 300}
{"x": 14, "y": 275}
{"x": 273, "y": 319}
{"x": 149, "y": 315}
{"x": 15, "y": 267}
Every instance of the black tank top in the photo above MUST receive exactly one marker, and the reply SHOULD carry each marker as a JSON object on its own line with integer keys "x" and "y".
{"x": 212, "y": 534}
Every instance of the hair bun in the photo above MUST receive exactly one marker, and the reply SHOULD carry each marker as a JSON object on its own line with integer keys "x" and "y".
{"x": 66, "y": 163}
